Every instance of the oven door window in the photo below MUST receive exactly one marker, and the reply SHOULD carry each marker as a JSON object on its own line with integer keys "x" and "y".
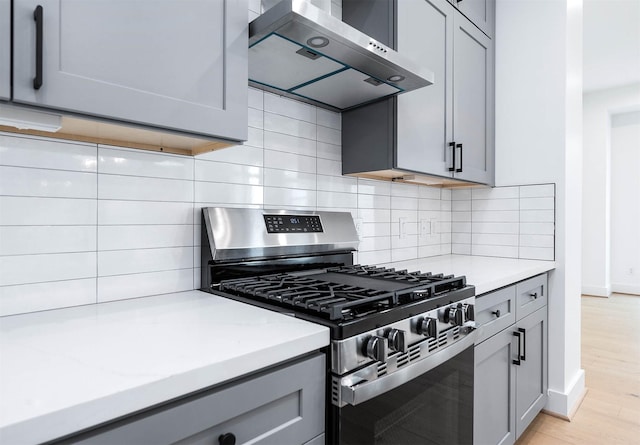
{"x": 434, "y": 408}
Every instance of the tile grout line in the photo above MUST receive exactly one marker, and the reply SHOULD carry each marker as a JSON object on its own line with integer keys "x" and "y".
{"x": 97, "y": 216}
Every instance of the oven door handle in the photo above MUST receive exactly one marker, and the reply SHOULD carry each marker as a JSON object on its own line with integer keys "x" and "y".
{"x": 361, "y": 392}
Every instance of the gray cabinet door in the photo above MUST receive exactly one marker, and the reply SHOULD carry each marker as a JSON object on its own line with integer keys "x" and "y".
{"x": 472, "y": 102}
{"x": 424, "y": 116}
{"x": 5, "y": 49}
{"x": 282, "y": 406}
{"x": 494, "y": 391}
{"x": 179, "y": 65}
{"x": 480, "y": 12}
{"x": 531, "y": 378}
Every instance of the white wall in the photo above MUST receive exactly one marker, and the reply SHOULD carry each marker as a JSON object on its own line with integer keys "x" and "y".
{"x": 596, "y": 211}
{"x": 538, "y": 139}
{"x": 625, "y": 203}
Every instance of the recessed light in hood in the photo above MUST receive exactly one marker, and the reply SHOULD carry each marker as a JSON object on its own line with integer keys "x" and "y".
{"x": 301, "y": 51}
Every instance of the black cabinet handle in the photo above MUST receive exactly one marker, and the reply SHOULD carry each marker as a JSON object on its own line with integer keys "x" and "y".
{"x": 517, "y": 361}
{"x": 496, "y": 313}
{"x": 453, "y": 153}
{"x": 534, "y": 295}
{"x": 524, "y": 344}
{"x": 459, "y": 170}
{"x": 38, "y": 16}
{"x": 227, "y": 439}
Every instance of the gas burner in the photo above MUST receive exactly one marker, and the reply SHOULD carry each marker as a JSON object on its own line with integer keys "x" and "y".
{"x": 337, "y": 301}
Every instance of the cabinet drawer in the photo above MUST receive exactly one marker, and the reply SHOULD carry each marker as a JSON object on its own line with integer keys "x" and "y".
{"x": 494, "y": 312}
{"x": 285, "y": 405}
{"x": 531, "y": 295}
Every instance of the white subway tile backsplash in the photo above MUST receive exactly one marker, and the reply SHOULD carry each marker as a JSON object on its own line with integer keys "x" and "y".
{"x": 460, "y": 249}
{"x": 144, "y": 189}
{"x": 537, "y": 191}
{"x": 329, "y": 135}
{"x": 537, "y": 253}
{"x": 130, "y": 162}
{"x": 27, "y": 240}
{"x": 255, "y": 137}
{"x": 329, "y": 151}
{"x": 337, "y": 200}
{"x": 537, "y": 216}
{"x": 536, "y": 240}
{"x": 46, "y": 153}
{"x": 403, "y": 254}
{"x": 289, "y": 161}
{"x": 374, "y": 202}
{"x": 210, "y": 171}
{"x": 329, "y": 119}
{"x": 495, "y": 193}
{"x": 461, "y": 194}
{"x": 144, "y": 237}
{"x": 289, "y": 108}
{"x": 288, "y": 125}
{"x": 405, "y": 204}
{"x": 114, "y": 212}
{"x": 461, "y": 227}
{"x": 240, "y": 154}
{"x": 289, "y": 198}
{"x": 120, "y": 287}
{"x": 461, "y": 206}
{"x": 28, "y": 211}
{"x": 368, "y": 244}
{"x": 461, "y": 216}
{"x": 432, "y": 205}
{"x": 434, "y": 193}
{"x": 20, "y": 181}
{"x": 494, "y": 204}
{"x": 256, "y": 99}
{"x": 289, "y": 144}
{"x": 256, "y": 119}
{"x": 373, "y": 215}
{"x": 123, "y": 262}
{"x": 537, "y": 203}
{"x": 289, "y": 179}
{"x": 493, "y": 227}
{"x": 495, "y": 239}
{"x": 537, "y": 228}
{"x": 370, "y": 187}
{"x": 344, "y": 184}
{"x": 491, "y": 250}
{"x": 404, "y": 190}
{"x": 432, "y": 250}
{"x": 496, "y": 216}
{"x": 329, "y": 167}
{"x": 44, "y": 296}
{"x": 228, "y": 193}
{"x": 27, "y": 269}
{"x": 461, "y": 238}
{"x": 376, "y": 229}
{"x": 374, "y": 257}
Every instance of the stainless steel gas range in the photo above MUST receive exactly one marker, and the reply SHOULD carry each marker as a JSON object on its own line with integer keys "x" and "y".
{"x": 401, "y": 354}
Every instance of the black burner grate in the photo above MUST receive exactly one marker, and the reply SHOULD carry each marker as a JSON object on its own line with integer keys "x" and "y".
{"x": 335, "y": 300}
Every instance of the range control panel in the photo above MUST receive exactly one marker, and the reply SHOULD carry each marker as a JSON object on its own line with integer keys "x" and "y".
{"x": 292, "y": 223}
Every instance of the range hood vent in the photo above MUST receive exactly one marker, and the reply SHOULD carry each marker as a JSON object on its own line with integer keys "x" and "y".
{"x": 300, "y": 51}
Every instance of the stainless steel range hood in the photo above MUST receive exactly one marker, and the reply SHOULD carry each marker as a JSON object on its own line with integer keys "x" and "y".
{"x": 300, "y": 51}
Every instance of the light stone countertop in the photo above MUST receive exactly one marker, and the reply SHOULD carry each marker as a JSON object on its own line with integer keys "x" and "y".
{"x": 69, "y": 369}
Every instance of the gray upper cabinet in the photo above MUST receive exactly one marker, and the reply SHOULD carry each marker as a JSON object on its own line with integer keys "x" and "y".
{"x": 5, "y": 49}
{"x": 473, "y": 103}
{"x": 177, "y": 65}
{"x": 445, "y": 129}
{"x": 480, "y": 12}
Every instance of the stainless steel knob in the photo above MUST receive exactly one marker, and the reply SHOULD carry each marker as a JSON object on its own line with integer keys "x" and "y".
{"x": 376, "y": 348}
{"x": 397, "y": 340}
{"x": 427, "y": 327}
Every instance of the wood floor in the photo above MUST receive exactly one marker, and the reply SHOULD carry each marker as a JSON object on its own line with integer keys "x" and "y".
{"x": 610, "y": 412}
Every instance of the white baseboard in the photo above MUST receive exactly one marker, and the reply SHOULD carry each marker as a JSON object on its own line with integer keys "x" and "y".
{"x": 625, "y": 289}
{"x": 598, "y": 291}
{"x": 565, "y": 404}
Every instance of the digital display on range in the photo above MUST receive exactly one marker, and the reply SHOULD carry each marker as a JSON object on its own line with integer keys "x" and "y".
{"x": 292, "y": 223}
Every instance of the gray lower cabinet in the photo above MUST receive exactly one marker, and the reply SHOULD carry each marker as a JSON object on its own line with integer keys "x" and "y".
{"x": 282, "y": 406}
{"x": 177, "y": 65}
{"x": 510, "y": 385}
{"x": 5, "y": 49}
{"x": 445, "y": 129}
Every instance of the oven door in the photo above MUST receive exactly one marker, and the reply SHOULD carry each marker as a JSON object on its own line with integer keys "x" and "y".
{"x": 435, "y": 407}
